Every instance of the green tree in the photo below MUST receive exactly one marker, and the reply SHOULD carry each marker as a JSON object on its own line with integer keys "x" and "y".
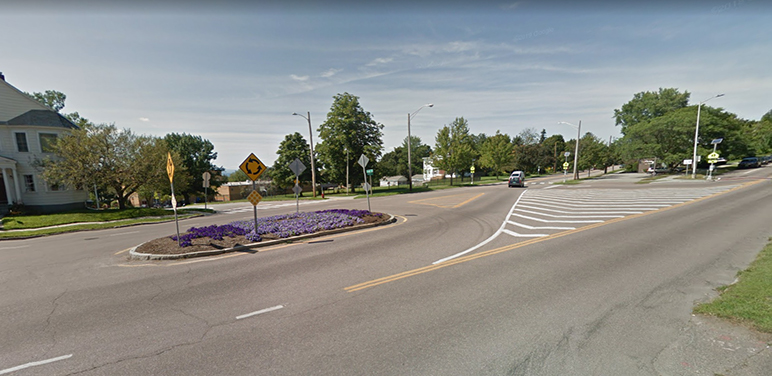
{"x": 108, "y": 157}
{"x": 527, "y": 150}
{"x": 293, "y": 147}
{"x": 389, "y": 164}
{"x": 552, "y": 149}
{"x": 238, "y": 176}
{"x": 51, "y": 98}
{"x": 196, "y": 155}
{"x": 454, "y": 147}
{"x": 648, "y": 105}
{"x": 496, "y": 153}
{"x": 593, "y": 152}
{"x": 348, "y": 130}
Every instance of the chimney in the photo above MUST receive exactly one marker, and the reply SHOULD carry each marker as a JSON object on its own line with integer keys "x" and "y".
{"x": 1, "y": 76}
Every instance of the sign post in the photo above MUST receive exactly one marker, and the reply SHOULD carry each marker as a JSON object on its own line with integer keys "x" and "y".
{"x": 206, "y": 177}
{"x": 471, "y": 170}
{"x": 253, "y": 167}
{"x": 363, "y": 162}
{"x": 297, "y": 167}
{"x": 170, "y": 172}
{"x": 565, "y": 165}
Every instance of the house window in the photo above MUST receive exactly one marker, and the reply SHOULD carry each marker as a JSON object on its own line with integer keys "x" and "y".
{"x": 21, "y": 142}
{"x": 47, "y": 142}
{"x": 29, "y": 183}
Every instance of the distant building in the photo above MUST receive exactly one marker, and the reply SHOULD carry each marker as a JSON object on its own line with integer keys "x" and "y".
{"x": 27, "y": 131}
{"x": 393, "y": 181}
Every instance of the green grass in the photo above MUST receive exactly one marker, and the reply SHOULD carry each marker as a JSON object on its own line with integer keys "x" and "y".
{"x": 93, "y": 226}
{"x": 15, "y": 222}
{"x": 749, "y": 301}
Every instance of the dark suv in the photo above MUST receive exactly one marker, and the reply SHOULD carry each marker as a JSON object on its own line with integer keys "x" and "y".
{"x": 749, "y": 162}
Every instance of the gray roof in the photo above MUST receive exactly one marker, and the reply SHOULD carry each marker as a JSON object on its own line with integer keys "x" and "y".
{"x": 43, "y": 118}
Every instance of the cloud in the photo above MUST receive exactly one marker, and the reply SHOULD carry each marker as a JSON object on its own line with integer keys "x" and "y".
{"x": 331, "y": 72}
{"x": 144, "y": 119}
{"x": 299, "y": 78}
{"x": 380, "y": 60}
{"x": 512, "y": 6}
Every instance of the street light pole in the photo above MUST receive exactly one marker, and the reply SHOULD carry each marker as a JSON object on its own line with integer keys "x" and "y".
{"x": 696, "y": 134}
{"x": 311, "y": 147}
{"x": 576, "y": 150}
{"x": 409, "y": 147}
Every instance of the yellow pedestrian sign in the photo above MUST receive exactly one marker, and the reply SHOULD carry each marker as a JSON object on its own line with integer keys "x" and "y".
{"x": 565, "y": 165}
{"x": 252, "y": 167}
{"x": 169, "y": 167}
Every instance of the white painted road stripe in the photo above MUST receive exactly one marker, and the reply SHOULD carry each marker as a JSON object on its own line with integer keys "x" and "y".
{"x": 21, "y": 246}
{"x": 259, "y": 312}
{"x": 124, "y": 233}
{"x": 540, "y": 228}
{"x": 33, "y": 364}
{"x": 569, "y": 216}
{"x": 546, "y": 221}
{"x": 524, "y": 235}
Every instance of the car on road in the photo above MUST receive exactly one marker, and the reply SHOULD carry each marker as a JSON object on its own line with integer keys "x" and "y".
{"x": 517, "y": 179}
{"x": 749, "y": 162}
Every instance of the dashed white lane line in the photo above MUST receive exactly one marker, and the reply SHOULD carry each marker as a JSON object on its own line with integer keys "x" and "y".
{"x": 260, "y": 312}
{"x": 33, "y": 364}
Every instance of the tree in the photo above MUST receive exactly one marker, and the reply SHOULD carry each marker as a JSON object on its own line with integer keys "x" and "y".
{"x": 670, "y": 137}
{"x": 552, "y": 150}
{"x": 454, "y": 147}
{"x": 51, "y": 98}
{"x": 348, "y": 130}
{"x": 293, "y": 147}
{"x": 237, "y": 176}
{"x": 648, "y": 105}
{"x": 594, "y": 152}
{"x": 389, "y": 164}
{"x": 496, "y": 153}
{"x": 108, "y": 157}
{"x": 196, "y": 155}
{"x": 527, "y": 150}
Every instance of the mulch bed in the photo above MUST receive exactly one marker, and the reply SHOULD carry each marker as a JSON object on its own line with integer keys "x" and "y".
{"x": 167, "y": 246}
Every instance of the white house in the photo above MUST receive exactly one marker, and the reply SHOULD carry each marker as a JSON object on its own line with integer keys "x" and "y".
{"x": 27, "y": 131}
{"x": 430, "y": 171}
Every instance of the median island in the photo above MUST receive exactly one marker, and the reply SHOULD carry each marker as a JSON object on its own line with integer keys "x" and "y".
{"x": 241, "y": 235}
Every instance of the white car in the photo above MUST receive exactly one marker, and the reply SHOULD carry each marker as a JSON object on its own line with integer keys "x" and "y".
{"x": 517, "y": 179}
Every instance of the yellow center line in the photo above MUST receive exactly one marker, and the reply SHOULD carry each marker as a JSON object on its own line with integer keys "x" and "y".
{"x": 510, "y": 247}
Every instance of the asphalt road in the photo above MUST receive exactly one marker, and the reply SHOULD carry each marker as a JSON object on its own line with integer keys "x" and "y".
{"x": 597, "y": 278}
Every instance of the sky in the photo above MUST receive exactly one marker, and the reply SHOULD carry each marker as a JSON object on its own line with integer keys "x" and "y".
{"x": 234, "y": 72}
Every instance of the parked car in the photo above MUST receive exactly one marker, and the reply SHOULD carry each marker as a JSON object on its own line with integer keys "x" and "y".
{"x": 749, "y": 162}
{"x": 517, "y": 179}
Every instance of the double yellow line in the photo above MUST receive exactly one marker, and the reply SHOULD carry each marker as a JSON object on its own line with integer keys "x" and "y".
{"x": 510, "y": 247}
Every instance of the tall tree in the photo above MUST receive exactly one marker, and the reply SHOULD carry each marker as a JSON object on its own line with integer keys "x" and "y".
{"x": 648, "y": 105}
{"x": 527, "y": 150}
{"x": 454, "y": 147}
{"x": 348, "y": 130}
{"x": 293, "y": 147}
{"x": 51, "y": 98}
{"x": 496, "y": 153}
{"x": 237, "y": 176}
{"x": 106, "y": 156}
{"x": 196, "y": 155}
{"x": 594, "y": 152}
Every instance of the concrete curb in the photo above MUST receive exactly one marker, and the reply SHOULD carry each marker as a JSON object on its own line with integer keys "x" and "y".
{"x": 134, "y": 255}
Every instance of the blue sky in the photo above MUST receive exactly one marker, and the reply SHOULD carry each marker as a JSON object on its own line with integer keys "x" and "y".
{"x": 235, "y": 72}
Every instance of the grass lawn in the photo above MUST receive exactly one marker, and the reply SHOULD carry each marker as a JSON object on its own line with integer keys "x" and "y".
{"x": 749, "y": 301}
{"x": 15, "y": 222}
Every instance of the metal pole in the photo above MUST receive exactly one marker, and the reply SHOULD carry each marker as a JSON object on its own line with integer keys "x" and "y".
{"x": 206, "y": 193}
{"x": 254, "y": 188}
{"x": 313, "y": 169}
{"x": 409, "y": 160}
{"x": 576, "y": 152}
{"x": 696, "y": 133}
{"x": 364, "y": 172}
{"x": 346, "y": 171}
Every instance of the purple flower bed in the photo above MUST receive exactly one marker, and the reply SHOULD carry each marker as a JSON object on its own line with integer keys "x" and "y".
{"x": 282, "y": 226}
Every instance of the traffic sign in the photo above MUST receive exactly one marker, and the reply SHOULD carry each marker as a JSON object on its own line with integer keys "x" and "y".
{"x": 367, "y": 187}
{"x": 568, "y": 153}
{"x": 713, "y": 155}
{"x": 297, "y": 167}
{"x": 254, "y": 198}
{"x": 565, "y": 165}
{"x": 369, "y": 172}
{"x": 252, "y": 167}
{"x": 170, "y": 167}
{"x": 471, "y": 169}
{"x": 297, "y": 189}
{"x": 363, "y": 161}
{"x": 206, "y": 175}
